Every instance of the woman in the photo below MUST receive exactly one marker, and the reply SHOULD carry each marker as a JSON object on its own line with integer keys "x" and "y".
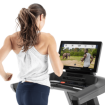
{"x": 34, "y": 85}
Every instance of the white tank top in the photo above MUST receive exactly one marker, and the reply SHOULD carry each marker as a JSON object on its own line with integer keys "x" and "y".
{"x": 87, "y": 60}
{"x": 33, "y": 66}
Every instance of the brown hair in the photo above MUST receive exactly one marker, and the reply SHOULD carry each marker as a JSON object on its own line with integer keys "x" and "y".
{"x": 29, "y": 32}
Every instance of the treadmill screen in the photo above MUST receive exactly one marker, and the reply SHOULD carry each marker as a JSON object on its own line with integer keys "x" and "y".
{"x": 78, "y": 55}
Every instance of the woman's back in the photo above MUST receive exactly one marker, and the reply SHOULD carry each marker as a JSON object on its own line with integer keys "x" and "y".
{"x": 33, "y": 64}
{"x": 41, "y": 47}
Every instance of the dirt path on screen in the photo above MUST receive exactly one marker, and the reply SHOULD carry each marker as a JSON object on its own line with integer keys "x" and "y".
{"x": 73, "y": 62}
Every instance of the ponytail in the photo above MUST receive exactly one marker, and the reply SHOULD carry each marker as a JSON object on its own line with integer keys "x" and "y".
{"x": 29, "y": 32}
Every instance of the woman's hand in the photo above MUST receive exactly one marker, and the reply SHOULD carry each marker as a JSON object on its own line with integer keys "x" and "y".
{"x": 8, "y": 77}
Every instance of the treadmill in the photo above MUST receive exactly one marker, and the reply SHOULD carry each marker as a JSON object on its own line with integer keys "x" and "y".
{"x": 79, "y": 82}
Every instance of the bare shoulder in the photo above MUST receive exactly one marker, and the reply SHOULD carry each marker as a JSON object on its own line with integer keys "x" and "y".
{"x": 14, "y": 35}
{"x": 50, "y": 36}
{"x": 47, "y": 35}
